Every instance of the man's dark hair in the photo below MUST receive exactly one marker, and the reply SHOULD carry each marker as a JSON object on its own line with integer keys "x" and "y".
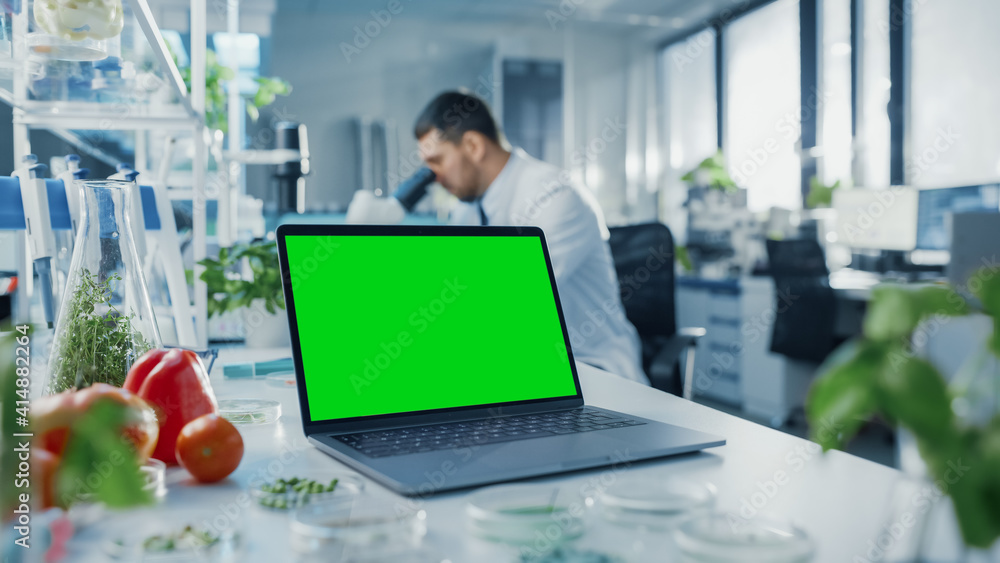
{"x": 454, "y": 113}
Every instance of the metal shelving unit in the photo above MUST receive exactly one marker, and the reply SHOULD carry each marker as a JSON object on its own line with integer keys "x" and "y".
{"x": 64, "y": 118}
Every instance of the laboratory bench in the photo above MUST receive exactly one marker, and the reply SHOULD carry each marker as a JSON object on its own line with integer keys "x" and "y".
{"x": 842, "y": 502}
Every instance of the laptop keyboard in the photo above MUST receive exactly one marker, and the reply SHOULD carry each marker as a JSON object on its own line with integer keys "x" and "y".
{"x": 417, "y": 439}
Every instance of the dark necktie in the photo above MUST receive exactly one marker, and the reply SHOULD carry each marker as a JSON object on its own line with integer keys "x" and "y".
{"x": 482, "y": 215}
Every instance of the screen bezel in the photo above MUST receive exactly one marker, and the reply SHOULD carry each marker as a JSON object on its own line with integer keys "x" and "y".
{"x": 425, "y": 416}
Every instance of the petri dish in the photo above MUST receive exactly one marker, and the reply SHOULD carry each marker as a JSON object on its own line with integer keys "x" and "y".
{"x": 290, "y": 498}
{"x": 570, "y": 555}
{"x": 48, "y": 46}
{"x": 399, "y": 554}
{"x": 654, "y": 503}
{"x": 250, "y": 411}
{"x": 154, "y": 475}
{"x": 154, "y": 472}
{"x": 720, "y": 537}
{"x": 179, "y": 537}
{"x": 361, "y": 527}
{"x": 282, "y": 379}
{"x": 516, "y": 514}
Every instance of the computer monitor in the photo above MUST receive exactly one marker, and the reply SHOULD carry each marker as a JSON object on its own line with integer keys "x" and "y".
{"x": 877, "y": 219}
{"x": 935, "y": 205}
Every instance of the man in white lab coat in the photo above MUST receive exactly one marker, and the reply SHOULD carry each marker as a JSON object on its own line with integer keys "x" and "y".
{"x": 461, "y": 143}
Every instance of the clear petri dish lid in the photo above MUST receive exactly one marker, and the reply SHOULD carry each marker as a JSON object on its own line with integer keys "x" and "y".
{"x": 515, "y": 514}
{"x": 653, "y": 502}
{"x": 284, "y": 379}
{"x": 43, "y": 45}
{"x": 250, "y": 411}
{"x": 174, "y": 536}
{"x": 405, "y": 554}
{"x": 154, "y": 473}
{"x": 356, "y": 524}
{"x": 721, "y": 537}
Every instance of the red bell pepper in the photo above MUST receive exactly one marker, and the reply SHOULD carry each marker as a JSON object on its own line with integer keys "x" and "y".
{"x": 175, "y": 383}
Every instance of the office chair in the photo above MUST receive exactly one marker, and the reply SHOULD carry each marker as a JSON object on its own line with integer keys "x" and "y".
{"x": 644, "y": 260}
{"x": 805, "y": 304}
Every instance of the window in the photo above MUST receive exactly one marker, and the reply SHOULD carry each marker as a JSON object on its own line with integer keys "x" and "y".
{"x": 835, "y": 135}
{"x": 763, "y": 107}
{"x": 533, "y": 108}
{"x": 873, "y": 137}
{"x": 954, "y": 137}
{"x": 690, "y": 123}
{"x": 244, "y": 51}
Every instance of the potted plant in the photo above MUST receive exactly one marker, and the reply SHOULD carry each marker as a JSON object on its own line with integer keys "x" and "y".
{"x": 711, "y": 173}
{"x": 820, "y": 194}
{"x": 258, "y": 294}
{"x": 216, "y": 77}
{"x": 882, "y": 373}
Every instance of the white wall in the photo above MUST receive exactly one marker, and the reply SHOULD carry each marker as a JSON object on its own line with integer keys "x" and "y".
{"x": 411, "y": 60}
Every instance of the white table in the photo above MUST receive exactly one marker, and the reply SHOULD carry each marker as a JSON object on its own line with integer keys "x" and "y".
{"x": 840, "y": 500}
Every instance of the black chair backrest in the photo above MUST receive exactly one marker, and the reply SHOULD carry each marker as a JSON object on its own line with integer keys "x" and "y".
{"x": 644, "y": 260}
{"x": 805, "y": 304}
{"x": 796, "y": 257}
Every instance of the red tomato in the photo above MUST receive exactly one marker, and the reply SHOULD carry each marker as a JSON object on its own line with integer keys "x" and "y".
{"x": 210, "y": 448}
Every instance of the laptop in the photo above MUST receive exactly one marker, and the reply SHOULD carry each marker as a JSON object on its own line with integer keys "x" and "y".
{"x": 437, "y": 358}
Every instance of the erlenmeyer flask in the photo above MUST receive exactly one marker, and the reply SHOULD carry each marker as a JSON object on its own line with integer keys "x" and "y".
{"x": 105, "y": 319}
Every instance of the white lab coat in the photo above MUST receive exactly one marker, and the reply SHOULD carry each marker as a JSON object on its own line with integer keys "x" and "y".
{"x": 529, "y": 192}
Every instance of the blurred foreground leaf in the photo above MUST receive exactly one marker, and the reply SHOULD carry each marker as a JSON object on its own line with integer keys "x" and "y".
{"x": 99, "y": 461}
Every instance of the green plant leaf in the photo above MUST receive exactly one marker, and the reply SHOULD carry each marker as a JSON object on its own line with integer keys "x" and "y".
{"x": 99, "y": 462}
{"x": 253, "y": 112}
{"x": 895, "y": 311}
{"x": 228, "y": 292}
{"x": 989, "y": 445}
{"x": 964, "y": 470}
{"x": 820, "y": 195}
{"x": 684, "y": 258}
{"x": 715, "y": 169}
{"x": 915, "y": 395}
{"x": 845, "y": 394}
{"x": 889, "y": 316}
{"x": 8, "y": 425}
{"x": 939, "y": 300}
{"x": 988, "y": 293}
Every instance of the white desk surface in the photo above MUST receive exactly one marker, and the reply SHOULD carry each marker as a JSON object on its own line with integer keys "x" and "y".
{"x": 842, "y": 501}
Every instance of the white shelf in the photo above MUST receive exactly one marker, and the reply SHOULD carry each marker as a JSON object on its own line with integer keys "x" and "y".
{"x": 94, "y": 116}
{"x": 275, "y": 156}
{"x": 63, "y": 118}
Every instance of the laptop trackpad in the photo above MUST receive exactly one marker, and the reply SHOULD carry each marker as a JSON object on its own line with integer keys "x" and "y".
{"x": 564, "y": 452}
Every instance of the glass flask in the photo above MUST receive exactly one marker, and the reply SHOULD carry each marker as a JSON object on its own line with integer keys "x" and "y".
{"x": 105, "y": 320}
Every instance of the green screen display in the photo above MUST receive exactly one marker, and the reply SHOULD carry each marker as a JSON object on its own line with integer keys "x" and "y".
{"x": 392, "y": 324}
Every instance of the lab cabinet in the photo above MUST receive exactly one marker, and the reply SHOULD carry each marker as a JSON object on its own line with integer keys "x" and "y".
{"x": 733, "y": 363}
{"x": 714, "y": 305}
